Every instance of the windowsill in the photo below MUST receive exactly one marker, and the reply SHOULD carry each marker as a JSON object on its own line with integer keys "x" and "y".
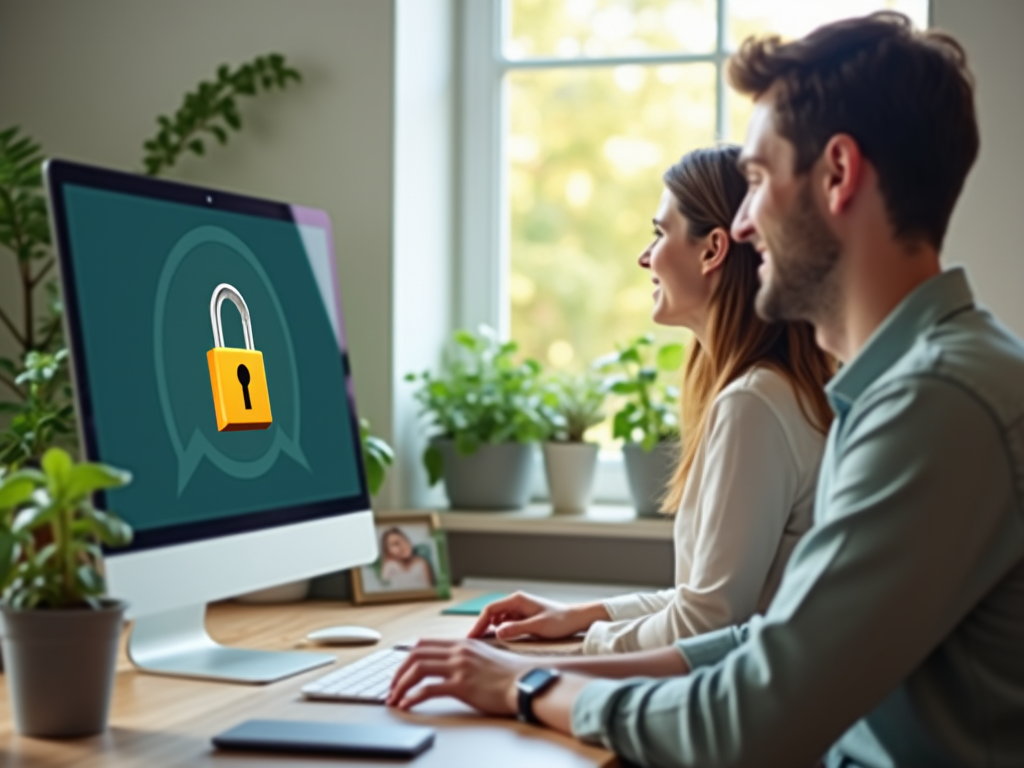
{"x": 539, "y": 519}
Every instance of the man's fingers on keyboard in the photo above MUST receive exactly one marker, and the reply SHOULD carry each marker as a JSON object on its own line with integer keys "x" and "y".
{"x": 419, "y": 653}
{"x": 428, "y": 691}
{"x": 416, "y": 671}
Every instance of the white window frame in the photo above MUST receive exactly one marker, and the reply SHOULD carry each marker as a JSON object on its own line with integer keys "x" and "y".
{"x": 484, "y": 260}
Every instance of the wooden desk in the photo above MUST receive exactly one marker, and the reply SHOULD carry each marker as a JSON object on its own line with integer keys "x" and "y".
{"x": 164, "y": 721}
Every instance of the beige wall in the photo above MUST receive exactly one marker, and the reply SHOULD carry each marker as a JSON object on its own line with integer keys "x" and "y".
{"x": 87, "y": 79}
{"x": 984, "y": 235}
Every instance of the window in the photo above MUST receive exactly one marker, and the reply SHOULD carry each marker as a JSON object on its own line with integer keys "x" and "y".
{"x": 572, "y": 109}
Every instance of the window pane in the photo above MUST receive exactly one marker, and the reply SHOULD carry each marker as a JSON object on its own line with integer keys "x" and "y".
{"x": 795, "y": 18}
{"x": 586, "y": 151}
{"x": 588, "y": 28}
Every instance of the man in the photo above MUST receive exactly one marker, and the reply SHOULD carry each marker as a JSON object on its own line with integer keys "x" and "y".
{"x": 897, "y": 634}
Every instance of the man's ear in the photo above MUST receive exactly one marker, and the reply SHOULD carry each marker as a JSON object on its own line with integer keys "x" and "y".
{"x": 843, "y": 165}
{"x": 716, "y": 244}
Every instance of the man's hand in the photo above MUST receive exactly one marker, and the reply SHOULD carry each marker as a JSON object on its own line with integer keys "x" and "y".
{"x": 473, "y": 672}
{"x": 522, "y": 614}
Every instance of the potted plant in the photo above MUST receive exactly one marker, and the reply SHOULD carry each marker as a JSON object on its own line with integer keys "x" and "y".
{"x": 484, "y": 407}
{"x": 647, "y": 421}
{"x": 60, "y": 635}
{"x": 571, "y": 404}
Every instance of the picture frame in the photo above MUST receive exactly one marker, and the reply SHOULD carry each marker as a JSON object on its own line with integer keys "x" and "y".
{"x": 411, "y": 564}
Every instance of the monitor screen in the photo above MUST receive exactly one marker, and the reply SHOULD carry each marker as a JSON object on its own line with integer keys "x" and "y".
{"x": 140, "y": 262}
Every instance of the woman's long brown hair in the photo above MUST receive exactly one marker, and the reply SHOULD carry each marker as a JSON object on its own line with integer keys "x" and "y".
{"x": 708, "y": 189}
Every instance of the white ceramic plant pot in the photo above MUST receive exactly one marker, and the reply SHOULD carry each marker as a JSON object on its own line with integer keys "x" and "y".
{"x": 570, "y": 472}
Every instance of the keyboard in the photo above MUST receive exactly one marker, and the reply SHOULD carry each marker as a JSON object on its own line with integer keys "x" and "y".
{"x": 367, "y": 680}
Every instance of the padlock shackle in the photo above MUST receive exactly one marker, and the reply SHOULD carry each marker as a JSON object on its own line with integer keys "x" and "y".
{"x": 220, "y": 293}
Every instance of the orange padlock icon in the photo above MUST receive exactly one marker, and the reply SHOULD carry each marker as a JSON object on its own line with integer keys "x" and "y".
{"x": 241, "y": 398}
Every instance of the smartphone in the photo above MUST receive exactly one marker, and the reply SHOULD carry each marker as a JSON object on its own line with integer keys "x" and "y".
{"x": 402, "y": 741}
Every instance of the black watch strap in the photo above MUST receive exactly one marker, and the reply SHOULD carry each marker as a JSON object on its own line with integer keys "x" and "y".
{"x": 530, "y": 685}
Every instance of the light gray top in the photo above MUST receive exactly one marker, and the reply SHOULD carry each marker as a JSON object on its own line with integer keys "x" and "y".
{"x": 897, "y": 635}
{"x": 748, "y": 500}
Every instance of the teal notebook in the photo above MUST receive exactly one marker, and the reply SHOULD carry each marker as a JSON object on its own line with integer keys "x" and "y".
{"x": 474, "y": 606}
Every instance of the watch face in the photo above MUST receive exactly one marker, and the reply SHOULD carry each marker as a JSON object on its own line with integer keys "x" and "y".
{"x": 533, "y": 679}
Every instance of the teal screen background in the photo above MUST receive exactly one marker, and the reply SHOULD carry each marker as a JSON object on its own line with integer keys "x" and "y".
{"x": 119, "y": 246}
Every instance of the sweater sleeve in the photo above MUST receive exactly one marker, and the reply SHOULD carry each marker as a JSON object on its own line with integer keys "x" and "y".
{"x": 749, "y": 485}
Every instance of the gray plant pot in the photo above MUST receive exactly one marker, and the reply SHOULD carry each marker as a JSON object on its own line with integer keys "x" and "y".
{"x": 494, "y": 477}
{"x": 648, "y": 474}
{"x": 60, "y": 668}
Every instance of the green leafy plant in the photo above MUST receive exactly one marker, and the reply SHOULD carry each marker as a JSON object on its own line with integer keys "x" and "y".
{"x": 482, "y": 396}
{"x": 377, "y": 457}
{"x": 50, "y": 533}
{"x": 46, "y": 417}
{"x": 211, "y": 110}
{"x": 572, "y": 404}
{"x": 648, "y": 414}
{"x": 25, "y": 232}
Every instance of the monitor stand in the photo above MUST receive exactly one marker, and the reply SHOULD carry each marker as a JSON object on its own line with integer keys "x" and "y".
{"x": 176, "y": 643}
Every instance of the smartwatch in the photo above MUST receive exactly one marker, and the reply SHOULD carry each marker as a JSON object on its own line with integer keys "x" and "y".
{"x": 530, "y": 685}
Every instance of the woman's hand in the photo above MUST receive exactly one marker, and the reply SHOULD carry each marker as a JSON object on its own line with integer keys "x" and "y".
{"x": 523, "y": 614}
{"x": 473, "y": 672}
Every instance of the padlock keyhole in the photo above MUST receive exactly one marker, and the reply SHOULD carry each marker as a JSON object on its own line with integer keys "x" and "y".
{"x": 243, "y": 379}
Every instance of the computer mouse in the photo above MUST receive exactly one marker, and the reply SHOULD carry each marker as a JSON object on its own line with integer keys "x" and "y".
{"x": 344, "y": 635}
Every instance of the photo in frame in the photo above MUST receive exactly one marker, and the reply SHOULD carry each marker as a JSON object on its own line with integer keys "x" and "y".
{"x": 412, "y": 562}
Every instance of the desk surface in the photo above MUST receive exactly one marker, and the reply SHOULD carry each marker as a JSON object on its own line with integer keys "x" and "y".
{"x": 164, "y": 721}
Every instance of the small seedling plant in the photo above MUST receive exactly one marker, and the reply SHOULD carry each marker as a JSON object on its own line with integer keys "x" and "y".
{"x": 649, "y": 411}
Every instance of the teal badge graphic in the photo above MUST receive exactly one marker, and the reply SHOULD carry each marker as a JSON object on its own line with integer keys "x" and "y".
{"x": 200, "y": 261}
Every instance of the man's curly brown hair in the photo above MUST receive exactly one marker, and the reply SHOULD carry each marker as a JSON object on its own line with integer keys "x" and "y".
{"x": 906, "y": 98}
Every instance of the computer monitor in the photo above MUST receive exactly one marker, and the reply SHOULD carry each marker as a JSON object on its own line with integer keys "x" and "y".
{"x": 222, "y": 502}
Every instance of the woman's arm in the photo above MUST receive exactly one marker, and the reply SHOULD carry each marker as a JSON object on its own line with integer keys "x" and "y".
{"x": 748, "y": 488}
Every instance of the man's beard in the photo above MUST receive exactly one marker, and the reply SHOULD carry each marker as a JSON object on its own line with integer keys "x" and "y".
{"x": 801, "y": 285}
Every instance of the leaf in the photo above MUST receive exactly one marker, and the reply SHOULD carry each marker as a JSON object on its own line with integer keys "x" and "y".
{"x": 629, "y": 355}
{"x": 670, "y": 357}
{"x": 85, "y": 479}
{"x": 108, "y": 528}
{"x": 466, "y": 339}
{"x": 8, "y": 554}
{"x": 380, "y": 449}
{"x": 622, "y": 427}
{"x": 34, "y": 517}
{"x": 374, "y": 474}
{"x": 15, "y": 491}
{"x": 433, "y": 461}
{"x": 90, "y": 581}
{"x": 56, "y": 464}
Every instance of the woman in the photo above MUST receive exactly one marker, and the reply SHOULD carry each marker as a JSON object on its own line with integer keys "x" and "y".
{"x": 754, "y": 415}
{"x": 401, "y": 568}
